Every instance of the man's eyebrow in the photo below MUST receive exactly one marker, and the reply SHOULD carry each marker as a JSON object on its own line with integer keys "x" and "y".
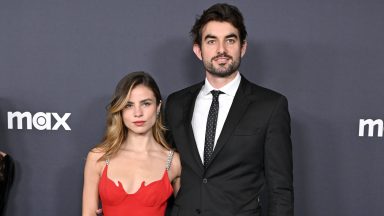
{"x": 233, "y": 35}
{"x": 209, "y": 36}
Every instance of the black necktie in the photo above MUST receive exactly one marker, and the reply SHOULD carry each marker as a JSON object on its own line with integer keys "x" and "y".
{"x": 211, "y": 126}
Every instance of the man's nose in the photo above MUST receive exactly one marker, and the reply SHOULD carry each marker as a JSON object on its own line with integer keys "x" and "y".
{"x": 221, "y": 47}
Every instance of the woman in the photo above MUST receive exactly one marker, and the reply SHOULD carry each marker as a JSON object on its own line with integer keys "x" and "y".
{"x": 133, "y": 170}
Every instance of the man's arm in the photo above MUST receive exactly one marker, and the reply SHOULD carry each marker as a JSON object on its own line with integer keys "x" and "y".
{"x": 278, "y": 161}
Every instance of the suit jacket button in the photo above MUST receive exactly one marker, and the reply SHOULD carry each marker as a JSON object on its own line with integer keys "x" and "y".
{"x": 198, "y": 211}
{"x": 205, "y": 181}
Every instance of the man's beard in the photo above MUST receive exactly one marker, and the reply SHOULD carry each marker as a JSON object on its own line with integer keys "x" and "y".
{"x": 221, "y": 71}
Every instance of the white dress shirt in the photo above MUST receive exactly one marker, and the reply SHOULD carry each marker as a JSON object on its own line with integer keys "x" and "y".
{"x": 202, "y": 105}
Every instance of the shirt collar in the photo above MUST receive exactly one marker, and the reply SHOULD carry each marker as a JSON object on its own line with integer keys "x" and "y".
{"x": 229, "y": 89}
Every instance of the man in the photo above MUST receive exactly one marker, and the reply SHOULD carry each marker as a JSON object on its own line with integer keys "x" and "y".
{"x": 234, "y": 141}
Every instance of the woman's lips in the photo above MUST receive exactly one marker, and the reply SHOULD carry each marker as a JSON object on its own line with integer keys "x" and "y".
{"x": 139, "y": 123}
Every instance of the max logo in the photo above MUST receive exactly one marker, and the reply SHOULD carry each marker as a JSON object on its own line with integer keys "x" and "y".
{"x": 372, "y": 126}
{"x": 40, "y": 120}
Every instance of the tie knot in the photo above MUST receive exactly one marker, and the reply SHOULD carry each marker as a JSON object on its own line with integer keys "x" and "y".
{"x": 216, "y": 93}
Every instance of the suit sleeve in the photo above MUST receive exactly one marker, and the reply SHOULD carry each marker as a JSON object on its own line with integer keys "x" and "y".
{"x": 278, "y": 161}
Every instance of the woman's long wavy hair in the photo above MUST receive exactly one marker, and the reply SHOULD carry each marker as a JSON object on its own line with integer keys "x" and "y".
{"x": 116, "y": 132}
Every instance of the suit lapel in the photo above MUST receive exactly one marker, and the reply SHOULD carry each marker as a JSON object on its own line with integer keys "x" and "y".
{"x": 238, "y": 107}
{"x": 188, "y": 108}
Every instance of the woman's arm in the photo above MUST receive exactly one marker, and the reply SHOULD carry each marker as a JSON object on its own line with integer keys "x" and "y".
{"x": 176, "y": 169}
{"x": 92, "y": 172}
{"x": 176, "y": 185}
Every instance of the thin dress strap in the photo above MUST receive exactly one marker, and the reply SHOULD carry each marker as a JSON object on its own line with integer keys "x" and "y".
{"x": 169, "y": 160}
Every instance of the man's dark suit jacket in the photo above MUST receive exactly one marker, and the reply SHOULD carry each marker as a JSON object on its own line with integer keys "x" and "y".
{"x": 253, "y": 150}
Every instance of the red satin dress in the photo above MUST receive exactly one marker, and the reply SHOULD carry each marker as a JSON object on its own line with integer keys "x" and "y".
{"x": 149, "y": 200}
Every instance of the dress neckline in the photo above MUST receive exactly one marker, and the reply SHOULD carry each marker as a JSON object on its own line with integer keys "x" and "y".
{"x": 142, "y": 185}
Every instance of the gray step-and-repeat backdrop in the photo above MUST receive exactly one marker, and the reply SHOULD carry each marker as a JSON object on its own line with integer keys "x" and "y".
{"x": 60, "y": 61}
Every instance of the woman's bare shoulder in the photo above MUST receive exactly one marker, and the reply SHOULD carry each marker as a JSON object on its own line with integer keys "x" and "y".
{"x": 95, "y": 154}
{"x": 176, "y": 163}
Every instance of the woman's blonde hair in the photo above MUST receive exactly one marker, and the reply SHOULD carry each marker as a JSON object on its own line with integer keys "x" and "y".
{"x": 116, "y": 132}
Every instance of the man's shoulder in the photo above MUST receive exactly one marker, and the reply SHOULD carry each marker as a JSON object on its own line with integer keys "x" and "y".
{"x": 184, "y": 92}
{"x": 257, "y": 90}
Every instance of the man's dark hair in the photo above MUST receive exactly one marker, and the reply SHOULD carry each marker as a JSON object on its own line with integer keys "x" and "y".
{"x": 221, "y": 13}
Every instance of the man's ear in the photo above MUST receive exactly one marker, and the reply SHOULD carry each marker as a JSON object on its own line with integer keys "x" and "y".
{"x": 197, "y": 51}
{"x": 244, "y": 48}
